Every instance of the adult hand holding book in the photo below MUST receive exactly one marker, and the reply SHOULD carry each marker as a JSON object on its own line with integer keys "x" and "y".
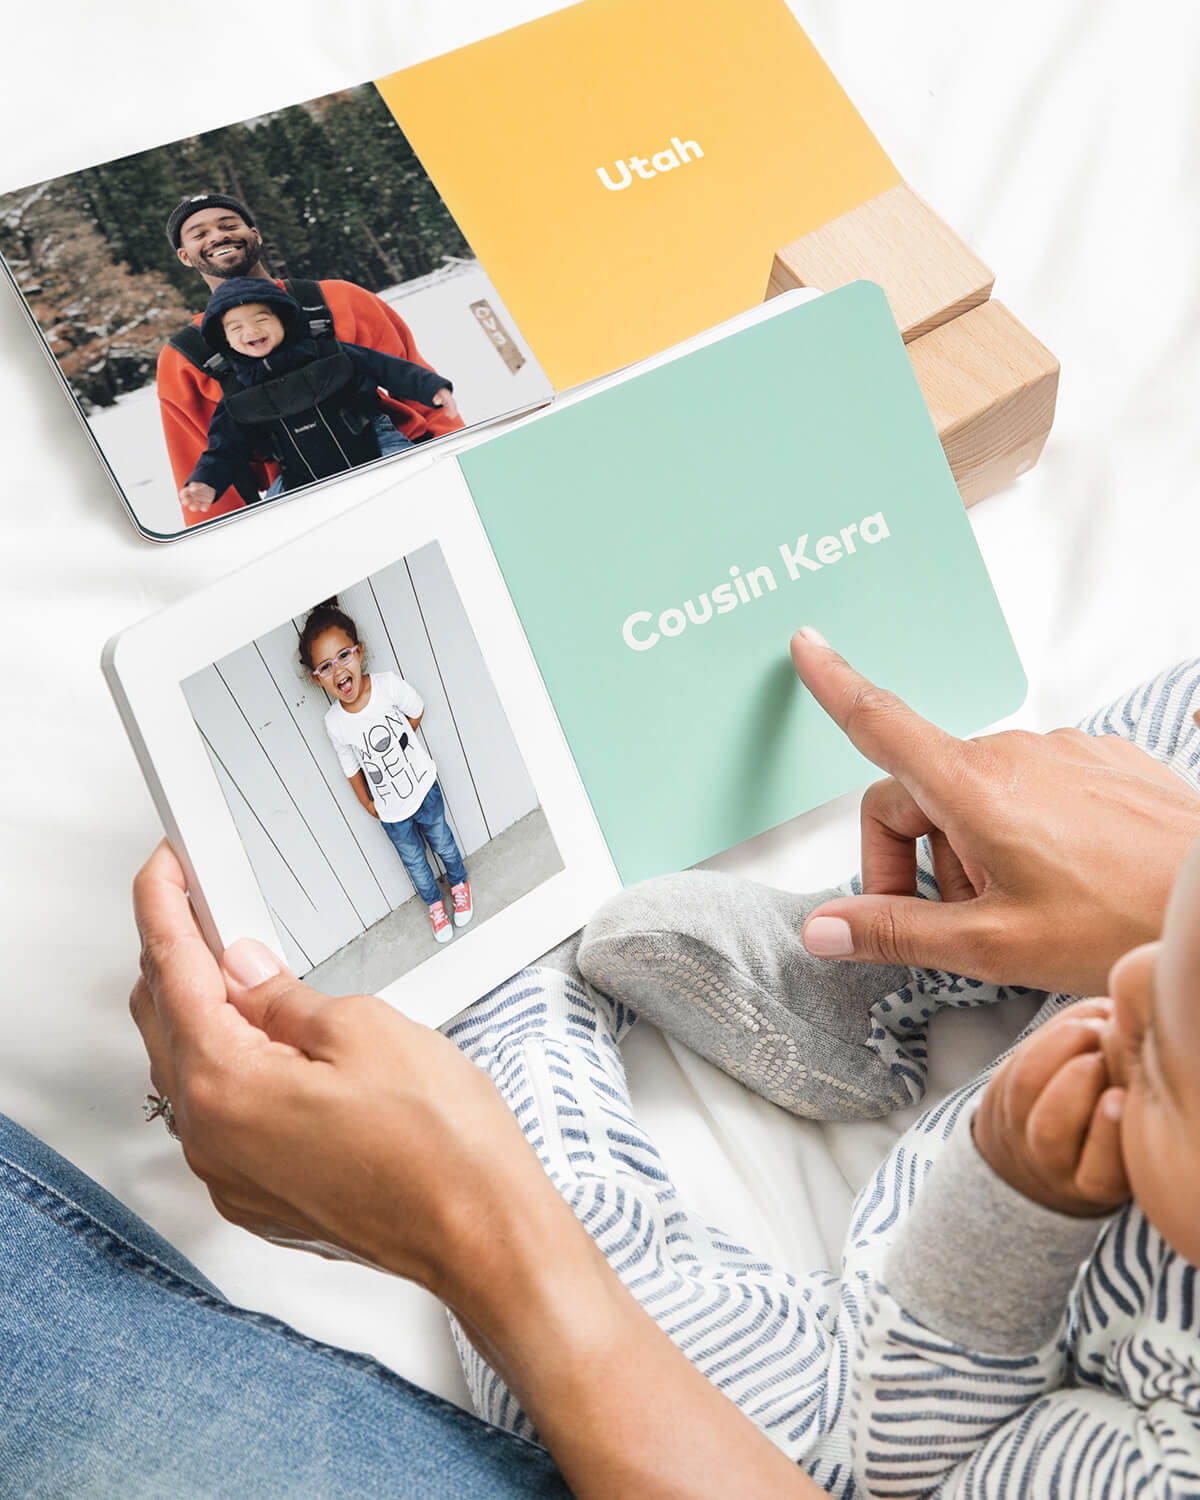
{"x": 339, "y": 1126}
{"x": 1054, "y": 853}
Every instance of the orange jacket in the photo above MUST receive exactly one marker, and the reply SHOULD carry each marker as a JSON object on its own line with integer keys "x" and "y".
{"x": 187, "y": 397}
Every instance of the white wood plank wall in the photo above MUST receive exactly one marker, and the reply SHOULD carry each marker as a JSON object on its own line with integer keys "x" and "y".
{"x": 326, "y": 868}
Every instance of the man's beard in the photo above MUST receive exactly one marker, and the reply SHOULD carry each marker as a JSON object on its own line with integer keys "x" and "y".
{"x": 226, "y": 267}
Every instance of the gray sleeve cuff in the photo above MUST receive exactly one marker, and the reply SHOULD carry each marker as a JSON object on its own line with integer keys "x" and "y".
{"x": 978, "y": 1262}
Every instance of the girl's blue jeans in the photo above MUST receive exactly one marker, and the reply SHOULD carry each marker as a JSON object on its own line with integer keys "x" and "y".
{"x": 427, "y": 824}
{"x": 124, "y": 1372}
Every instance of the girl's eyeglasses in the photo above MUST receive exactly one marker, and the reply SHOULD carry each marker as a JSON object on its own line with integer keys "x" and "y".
{"x": 327, "y": 668}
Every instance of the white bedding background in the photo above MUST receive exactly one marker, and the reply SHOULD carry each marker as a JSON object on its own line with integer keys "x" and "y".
{"x": 1061, "y": 138}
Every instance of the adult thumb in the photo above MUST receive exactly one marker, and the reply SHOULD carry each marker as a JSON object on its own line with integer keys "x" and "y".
{"x": 272, "y": 999}
{"x": 899, "y": 930}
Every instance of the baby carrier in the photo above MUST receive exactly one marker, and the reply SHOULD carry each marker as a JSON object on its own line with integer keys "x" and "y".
{"x": 315, "y": 420}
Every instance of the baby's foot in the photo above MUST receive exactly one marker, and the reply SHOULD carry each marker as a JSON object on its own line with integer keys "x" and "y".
{"x": 718, "y": 963}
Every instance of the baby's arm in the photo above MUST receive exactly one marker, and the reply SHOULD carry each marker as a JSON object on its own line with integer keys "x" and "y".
{"x": 197, "y": 496}
{"x": 958, "y": 1386}
{"x": 226, "y": 457}
{"x": 403, "y": 379}
{"x": 445, "y": 399}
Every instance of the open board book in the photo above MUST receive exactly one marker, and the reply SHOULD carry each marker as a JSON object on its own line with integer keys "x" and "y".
{"x": 599, "y": 599}
{"x": 533, "y": 211}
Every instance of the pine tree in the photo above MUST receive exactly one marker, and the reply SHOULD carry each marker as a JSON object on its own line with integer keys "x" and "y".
{"x": 123, "y": 198}
{"x": 400, "y": 210}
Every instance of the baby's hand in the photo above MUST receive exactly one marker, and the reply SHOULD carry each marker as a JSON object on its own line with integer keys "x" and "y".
{"x": 197, "y": 496}
{"x": 1049, "y": 1121}
{"x": 445, "y": 399}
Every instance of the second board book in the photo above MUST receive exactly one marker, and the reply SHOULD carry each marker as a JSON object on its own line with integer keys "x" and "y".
{"x": 478, "y": 233}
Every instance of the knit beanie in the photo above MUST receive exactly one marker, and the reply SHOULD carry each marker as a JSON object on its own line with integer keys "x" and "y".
{"x": 184, "y": 210}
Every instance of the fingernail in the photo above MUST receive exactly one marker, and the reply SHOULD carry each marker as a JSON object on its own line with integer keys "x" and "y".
{"x": 1114, "y": 1103}
{"x": 828, "y": 937}
{"x": 248, "y": 963}
{"x": 812, "y": 635}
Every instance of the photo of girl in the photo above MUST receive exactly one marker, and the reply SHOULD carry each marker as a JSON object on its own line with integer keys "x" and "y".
{"x": 369, "y": 765}
{"x": 372, "y": 725}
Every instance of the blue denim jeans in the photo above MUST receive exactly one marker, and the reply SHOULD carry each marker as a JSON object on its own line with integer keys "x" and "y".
{"x": 391, "y": 440}
{"x": 126, "y": 1373}
{"x": 409, "y": 836}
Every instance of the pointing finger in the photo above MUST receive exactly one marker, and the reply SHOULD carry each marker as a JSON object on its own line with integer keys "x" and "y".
{"x": 880, "y": 725}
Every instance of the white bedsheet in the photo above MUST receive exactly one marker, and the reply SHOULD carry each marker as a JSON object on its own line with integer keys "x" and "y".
{"x": 1060, "y": 138}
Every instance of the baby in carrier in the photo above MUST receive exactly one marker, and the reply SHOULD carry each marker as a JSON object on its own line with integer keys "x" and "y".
{"x": 292, "y": 393}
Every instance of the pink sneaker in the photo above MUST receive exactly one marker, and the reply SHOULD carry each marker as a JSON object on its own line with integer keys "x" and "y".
{"x": 442, "y": 930}
{"x": 462, "y": 903}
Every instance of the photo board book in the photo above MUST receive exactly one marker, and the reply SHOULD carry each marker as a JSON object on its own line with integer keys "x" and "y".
{"x": 594, "y": 608}
{"x": 455, "y": 243}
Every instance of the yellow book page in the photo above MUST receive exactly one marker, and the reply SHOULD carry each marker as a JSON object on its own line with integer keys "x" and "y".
{"x": 626, "y": 172}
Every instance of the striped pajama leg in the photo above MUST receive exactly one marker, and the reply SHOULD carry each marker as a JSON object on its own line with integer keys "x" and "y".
{"x": 777, "y": 1345}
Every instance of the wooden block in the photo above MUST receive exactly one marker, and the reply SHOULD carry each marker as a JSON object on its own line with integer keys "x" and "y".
{"x": 896, "y": 239}
{"x": 990, "y": 387}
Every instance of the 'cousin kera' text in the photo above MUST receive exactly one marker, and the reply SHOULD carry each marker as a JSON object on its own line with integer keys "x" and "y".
{"x": 642, "y": 631}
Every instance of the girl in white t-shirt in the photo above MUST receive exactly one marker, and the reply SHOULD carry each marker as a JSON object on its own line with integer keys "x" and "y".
{"x": 371, "y": 725}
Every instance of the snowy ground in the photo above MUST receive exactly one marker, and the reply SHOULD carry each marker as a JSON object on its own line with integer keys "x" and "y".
{"x": 449, "y": 336}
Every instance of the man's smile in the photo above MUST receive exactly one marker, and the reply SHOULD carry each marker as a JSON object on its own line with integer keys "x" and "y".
{"x": 229, "y": 257}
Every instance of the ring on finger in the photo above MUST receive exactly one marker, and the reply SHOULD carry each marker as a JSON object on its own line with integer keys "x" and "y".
{"x": 158, "y": 1106}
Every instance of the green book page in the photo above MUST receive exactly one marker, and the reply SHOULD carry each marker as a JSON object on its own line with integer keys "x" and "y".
{"x": 663, "y": 538}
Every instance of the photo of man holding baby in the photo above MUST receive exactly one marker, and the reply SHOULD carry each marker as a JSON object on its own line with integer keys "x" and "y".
{"x": 266, "y": 306}
{"x": 300, "y": 385}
